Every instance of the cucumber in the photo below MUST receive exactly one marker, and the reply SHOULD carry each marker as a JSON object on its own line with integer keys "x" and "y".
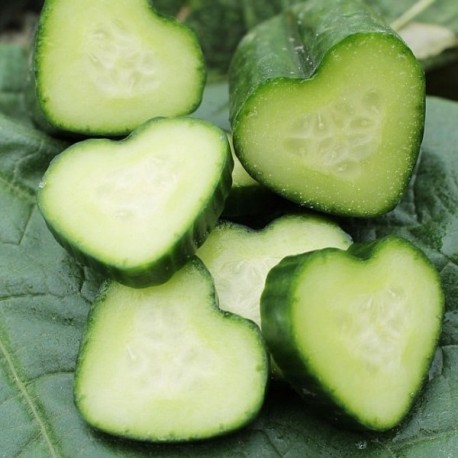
{"x": 327, "y": 108}
{"x": 103, "y": 68}
{"x": 355, "y": 331}
{"x": 138, "y": 208}
{"x": 239, "y": 258}
{"x": 248, "y": 197}
{"x": 165, "y": 364}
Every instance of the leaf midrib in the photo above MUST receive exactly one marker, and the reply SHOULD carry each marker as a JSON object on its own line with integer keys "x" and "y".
{"x": 28, "y": 399}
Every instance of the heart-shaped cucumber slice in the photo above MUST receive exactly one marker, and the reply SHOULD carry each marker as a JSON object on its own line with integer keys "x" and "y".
{"x": 355, "y": 332}
{"x": 165, "y": 364}
{"x": 102, "y": 68}
{"x": 328, "y": 108}
{"x": 138, "y": 208}
{"x": 239, "y": 258}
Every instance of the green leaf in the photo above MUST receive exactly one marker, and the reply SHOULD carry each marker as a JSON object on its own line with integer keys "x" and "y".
{"x": 13, "y": 73}
{"x": 45, "y": 296}
{"x": 399, "y": 13}
{"x": 430, "y": 27}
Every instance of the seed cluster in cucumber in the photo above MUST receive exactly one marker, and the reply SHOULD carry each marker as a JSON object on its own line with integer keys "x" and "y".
{"x": 197, "y": 312}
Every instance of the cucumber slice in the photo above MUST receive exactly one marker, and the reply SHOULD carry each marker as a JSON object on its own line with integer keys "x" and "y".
{"x": 239, "y": 258}
{"x": 327, "y": 108}
{"x": 165, "y": 364}
{"x": 138, "y": 208}
{"x": 355, "y": 332}
{"x": 103, "y": 68}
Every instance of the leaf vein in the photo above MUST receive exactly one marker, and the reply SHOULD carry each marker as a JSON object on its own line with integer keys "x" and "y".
{"x": 33, "y": 408}
{"x": 437, "y": 435}
{"x": 17, "y": 189}
{"x": 26, "y": 225}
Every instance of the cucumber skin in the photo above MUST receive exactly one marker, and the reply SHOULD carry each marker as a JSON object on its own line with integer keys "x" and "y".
{"x": 316, "y": 25}
{"x": 35, "y": 103}
{"x": 324, "y": 25}
{"x": 87, "y": 336}
{"x": 277, "y": 328}
{"x": 160, "y": 270}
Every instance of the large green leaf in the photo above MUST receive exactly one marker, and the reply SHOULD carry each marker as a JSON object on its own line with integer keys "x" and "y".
{"x": 45, "y": 296}
{"x": 13, "y": 72}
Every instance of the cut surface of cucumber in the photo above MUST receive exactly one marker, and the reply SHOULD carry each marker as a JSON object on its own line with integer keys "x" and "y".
{"x": 103, "y": 68}
{"x": 355, "y": 332}
{"x": 139, "y": 208}
{"x": 165, "y": 364}
{"x": 327, "y": 107}
{"x": 239, "y": 258}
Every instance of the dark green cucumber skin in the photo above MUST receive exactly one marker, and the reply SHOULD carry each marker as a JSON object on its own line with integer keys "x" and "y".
{"x": 288, "y": 49}
{"x": 87, "y": 337}
{"x": 34, "y": 101}
{"x": 160, "y": 270}
{"x": 277, "y": 328}
{"x": 293, "y": 44}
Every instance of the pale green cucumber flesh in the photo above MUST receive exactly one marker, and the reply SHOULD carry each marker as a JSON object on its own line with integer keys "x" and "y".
{"x": 240, "y": 258}
{"x": 105, "y": 67}
{"x": 357, "y": 330}
{"x": 344, "y": 141}
{"x": 141, "y": 206}
{"x": 165, "y": 364}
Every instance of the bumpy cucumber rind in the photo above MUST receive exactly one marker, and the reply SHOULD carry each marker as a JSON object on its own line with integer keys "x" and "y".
{"x": 291, "y": 49}
{"x": 186, "y": 244}
{"x": 173, "y": 435}
{"x": 276, "y": 305}
{"x": 314, "y": 27}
